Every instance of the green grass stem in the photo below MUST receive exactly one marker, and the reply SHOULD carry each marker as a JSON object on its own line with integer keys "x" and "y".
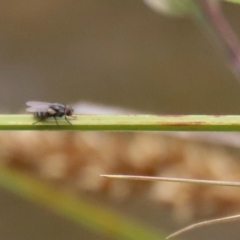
{"x": 126, "y": 123}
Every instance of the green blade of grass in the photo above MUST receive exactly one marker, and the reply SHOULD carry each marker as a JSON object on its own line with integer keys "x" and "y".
{"x": 75, "y": 208}
{"x": 126, "y": 123}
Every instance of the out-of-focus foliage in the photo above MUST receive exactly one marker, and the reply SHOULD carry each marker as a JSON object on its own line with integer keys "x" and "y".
{"x": 76, "y": 160}
{"x": 233, "y": 1}
{"x": 91, "y": 215}
{"x": 176, "y": 7}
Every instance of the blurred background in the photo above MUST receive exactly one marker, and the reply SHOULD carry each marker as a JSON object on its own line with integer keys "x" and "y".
{"x": 116, "y": 53}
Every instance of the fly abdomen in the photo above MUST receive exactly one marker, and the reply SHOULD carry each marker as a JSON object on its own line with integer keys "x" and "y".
{"x": 41, "y": 115}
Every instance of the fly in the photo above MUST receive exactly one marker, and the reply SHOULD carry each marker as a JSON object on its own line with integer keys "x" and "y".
{"x": 44, "y": 110}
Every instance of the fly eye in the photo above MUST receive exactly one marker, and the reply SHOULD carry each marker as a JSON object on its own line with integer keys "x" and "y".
{"x": 69, "y": 111}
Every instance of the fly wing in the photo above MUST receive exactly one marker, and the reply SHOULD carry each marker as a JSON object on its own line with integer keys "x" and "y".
{"x": 36, "y": 103}
{"x": 35, "y": 106}
{"x": 34, "y": 109}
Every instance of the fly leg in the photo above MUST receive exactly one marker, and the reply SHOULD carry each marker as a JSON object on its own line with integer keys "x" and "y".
{"x": 67, "y": 120}
{"x": 40, "y": 120}
{"x": 56, "y": 120}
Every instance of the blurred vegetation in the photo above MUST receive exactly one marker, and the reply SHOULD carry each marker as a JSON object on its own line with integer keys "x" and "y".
{"x": 57, "y": 49}
{"x": 91, "y": 215}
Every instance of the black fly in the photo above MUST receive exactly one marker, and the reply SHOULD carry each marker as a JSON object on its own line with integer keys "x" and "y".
{"x": 44, "y": 110}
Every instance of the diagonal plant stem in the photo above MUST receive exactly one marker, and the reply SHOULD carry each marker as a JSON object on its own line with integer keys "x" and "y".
{"x": 217, "y": 23}
{"x": 126, "y": 123}
{"x": 204, "y": 223}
